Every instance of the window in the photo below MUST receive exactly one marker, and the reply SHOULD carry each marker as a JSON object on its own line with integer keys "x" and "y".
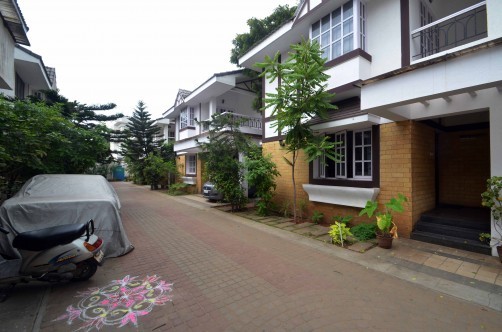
{"x": 187, "y": 117}
{"x": 362, "y": 154}
{"x": 191, "y": 164}
{"x": 355, "y": 161}
{"x": 335, "y": 32}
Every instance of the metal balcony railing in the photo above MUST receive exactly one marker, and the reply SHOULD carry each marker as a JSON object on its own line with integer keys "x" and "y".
{"x": 457, "y": 29}
{"x": 245, "y": 121}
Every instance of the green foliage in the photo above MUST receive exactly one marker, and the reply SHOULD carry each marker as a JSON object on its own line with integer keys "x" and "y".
{"x": 261, "y": 174}
{"x": 143, "y": 138}
{"x": 302, "y": 208}
{"x": 341, "y": 219}
{"x": 221, "y": 153}
{"x": 492, "y": 198}
{"x": 317, "y": 217}
{"x": 384, "y": 219}
{"x": 485, "y": 237}
{"x": 339, "y": 232}
{"x": 364, "y": 232}
{"x": 36, "y": 138}
{"x": 301, "y": 96}
{"x": 258, "y": 30}
{"x": 157, "y": 170}
{"x": 285, "y": 206}
{"x": 177, "y": 189}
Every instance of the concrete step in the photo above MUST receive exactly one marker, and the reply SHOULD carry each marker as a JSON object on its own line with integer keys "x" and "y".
{"x": 452, "y": 241}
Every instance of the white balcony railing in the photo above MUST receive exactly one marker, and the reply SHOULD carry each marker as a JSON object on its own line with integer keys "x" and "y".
{"x": 244, "y": 120}
{"x": 454, "y": 30}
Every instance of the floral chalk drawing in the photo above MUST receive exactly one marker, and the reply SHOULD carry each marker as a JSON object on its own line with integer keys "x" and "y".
{"x": 119, "y": 303}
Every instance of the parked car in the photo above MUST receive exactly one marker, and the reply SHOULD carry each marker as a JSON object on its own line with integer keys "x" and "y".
{"x": 209, "y": 191}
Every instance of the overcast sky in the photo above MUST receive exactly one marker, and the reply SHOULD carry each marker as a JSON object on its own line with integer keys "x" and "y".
{"x": 122, "y": 51}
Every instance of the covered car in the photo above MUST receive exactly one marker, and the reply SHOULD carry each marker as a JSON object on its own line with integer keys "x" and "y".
{"x": 51, "y": 200}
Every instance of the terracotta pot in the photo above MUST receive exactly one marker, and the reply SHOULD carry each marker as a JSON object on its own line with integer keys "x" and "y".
{"x": 499, "y": 251}
{"x": 384, "y": 241}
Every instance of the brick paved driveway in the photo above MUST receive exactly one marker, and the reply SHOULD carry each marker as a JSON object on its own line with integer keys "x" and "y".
{"x": 230, "y": 275}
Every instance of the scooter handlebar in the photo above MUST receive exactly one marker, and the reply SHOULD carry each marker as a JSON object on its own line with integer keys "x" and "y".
{"x": 3, "y": 230}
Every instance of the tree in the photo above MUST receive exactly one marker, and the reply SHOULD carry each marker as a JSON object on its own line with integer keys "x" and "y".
{"x": 301, "y": 96}
{"x": 35, "y": 138}
{"x": 261, "y": 172}
{"x": 142, "y": 138}
{"x": 157, "y": 170}
{"x": 82, "y": 115}
{"x": 221, "y": 154}
{"x": 259, "y": 29}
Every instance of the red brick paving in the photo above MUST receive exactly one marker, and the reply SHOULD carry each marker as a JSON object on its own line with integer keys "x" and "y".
{"x": 231, "y": 277}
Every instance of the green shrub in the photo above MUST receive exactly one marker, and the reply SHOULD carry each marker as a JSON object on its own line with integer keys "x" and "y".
{"x": 344, "y": 220}
{"x": 339, "y": 232}
{"x": 317, "y": 217}
{"x": 177, "y": 189}
{"x": 364, "y": 232}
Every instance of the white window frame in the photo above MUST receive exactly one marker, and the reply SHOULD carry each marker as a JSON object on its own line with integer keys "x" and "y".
{"x": 187, "y": 117}
{"x": 191, "y": 164}
{"x": 357, "y": 30}
{"x": 363, "y": 160}
{"x": 341, "y": 150}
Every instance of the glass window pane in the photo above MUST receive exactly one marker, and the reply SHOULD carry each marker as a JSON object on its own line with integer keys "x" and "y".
{"x": 367, "y": 169}
{"x": 359, "y": 140}
{"x": 315, "y": 29}
{"x": 337, "y": 49}
{"x": 347, "y": 10}
{"x": 367, "y": 137}
{"x": 367, "y": 153}
{"x": 348, "y": 44}
{"x": 348, "y": 27}
{"x": 343, "y": 170}
{"x": 359, "y": 153}
{"x": 336, "y": 33}
{"x": 325, "y": 23}
{"x": 336, "y": 16}
{"x": 325, "y": 39}
{"x": 325, "y": 53}
{"x": 359, "y": 169}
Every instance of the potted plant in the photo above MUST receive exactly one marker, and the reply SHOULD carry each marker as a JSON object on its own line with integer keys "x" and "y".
{"x": 492, "y": 198}
{"x": 387, "y": 229}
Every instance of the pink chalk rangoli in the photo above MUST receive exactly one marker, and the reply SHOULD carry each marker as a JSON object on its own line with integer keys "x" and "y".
{"x": 119, "y": 303}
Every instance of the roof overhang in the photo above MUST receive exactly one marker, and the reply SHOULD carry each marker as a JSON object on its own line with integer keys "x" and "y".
{"x": 290, "y": 33}
{"x": 217, "y": 85}
{"x": 30, "y": 67}
{"x": 14, "y": 21}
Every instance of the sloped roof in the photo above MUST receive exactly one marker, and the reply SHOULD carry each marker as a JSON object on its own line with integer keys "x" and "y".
{"x": 14, "y": 21}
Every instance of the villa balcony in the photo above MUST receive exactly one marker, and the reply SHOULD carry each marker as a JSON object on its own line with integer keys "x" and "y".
{"x": 248, "y": 124}
{"x": 454, "y": 30}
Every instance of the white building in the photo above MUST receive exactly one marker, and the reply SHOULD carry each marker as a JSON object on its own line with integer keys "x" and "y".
{"x": 227, "y": 94}
{"x": 418, "y": 84}
{"x": 22, "y": 72}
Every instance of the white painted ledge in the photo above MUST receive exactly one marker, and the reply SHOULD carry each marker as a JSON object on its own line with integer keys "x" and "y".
{"x": 348, "y": 196}
{"x": 189, "y": 180}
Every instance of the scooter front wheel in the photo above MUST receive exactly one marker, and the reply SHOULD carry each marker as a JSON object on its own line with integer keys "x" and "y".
{"x": 85, "y": 270}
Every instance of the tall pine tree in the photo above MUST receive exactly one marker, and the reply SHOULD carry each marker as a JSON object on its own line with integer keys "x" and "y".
{"x": 142, "y": 138}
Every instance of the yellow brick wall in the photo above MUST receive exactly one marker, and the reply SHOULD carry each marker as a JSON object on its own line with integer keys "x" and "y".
{"x": 284, "y": 190}
{"x": 395, "y": 169}
{"x": 423, "y": 170}
{"x": 180, "y": 164}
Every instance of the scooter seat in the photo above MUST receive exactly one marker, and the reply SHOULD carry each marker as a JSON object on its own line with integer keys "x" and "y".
{"x": 46, "y": 238}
